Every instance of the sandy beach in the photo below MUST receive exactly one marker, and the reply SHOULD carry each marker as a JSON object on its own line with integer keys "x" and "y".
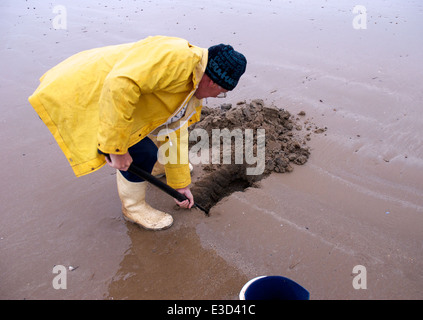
{"x": 358, "y": 200}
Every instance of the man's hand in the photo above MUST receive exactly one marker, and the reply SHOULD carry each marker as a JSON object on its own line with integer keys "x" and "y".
{"x": 186, "y": 203}
{"x": 119, "y": 161}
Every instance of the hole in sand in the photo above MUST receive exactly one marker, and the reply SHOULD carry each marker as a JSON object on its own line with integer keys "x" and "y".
{"x": 220, "y": 183}
{"x": 283, "y": 146}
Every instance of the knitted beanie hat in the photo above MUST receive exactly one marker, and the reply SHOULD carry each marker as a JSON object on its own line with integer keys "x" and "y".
{"x": 225, "y": 66}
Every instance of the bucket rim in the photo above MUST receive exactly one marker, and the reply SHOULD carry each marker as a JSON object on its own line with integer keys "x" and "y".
{"x": 247, "y": 285}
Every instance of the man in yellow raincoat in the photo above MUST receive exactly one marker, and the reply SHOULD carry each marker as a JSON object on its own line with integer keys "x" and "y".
{"x": 112, "y": 100}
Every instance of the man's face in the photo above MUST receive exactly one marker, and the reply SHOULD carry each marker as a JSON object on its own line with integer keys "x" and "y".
{"x": 208, "y": 89}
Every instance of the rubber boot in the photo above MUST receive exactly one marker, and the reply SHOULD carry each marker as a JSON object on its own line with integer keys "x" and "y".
{"x": 134, "y": 207}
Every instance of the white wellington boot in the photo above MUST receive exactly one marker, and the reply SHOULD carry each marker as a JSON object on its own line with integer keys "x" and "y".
{"x": 134, "y": 207}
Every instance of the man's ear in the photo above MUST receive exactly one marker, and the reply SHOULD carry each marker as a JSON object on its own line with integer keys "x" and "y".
{"x": 209, "y": 81}
{"x": 213, "y": 84}
{"x": 205, "y": 81}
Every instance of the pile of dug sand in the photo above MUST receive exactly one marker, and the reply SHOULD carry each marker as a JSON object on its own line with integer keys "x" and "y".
{"x": 283, "y": 147}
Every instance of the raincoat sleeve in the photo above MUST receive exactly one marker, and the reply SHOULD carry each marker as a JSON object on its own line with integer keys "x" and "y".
{"x": 177, "y": 170}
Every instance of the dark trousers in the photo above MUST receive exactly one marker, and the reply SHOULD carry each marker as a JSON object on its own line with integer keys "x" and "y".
{"x": 144, "y": 156}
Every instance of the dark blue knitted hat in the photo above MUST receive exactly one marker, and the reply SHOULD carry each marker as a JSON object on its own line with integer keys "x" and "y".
{"x": 225, "y": 66}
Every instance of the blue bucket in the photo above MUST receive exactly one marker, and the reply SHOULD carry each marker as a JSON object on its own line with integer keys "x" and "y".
{"x": 273, "y": 288}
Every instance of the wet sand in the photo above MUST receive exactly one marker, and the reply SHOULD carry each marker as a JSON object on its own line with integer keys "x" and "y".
{"x": 356, "y": 201}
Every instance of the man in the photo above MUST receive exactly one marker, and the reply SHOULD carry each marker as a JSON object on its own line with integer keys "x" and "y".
{"x": 112, "y": 100}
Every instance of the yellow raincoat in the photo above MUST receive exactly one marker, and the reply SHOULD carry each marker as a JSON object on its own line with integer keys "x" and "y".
{"x": 112, "y": 97}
